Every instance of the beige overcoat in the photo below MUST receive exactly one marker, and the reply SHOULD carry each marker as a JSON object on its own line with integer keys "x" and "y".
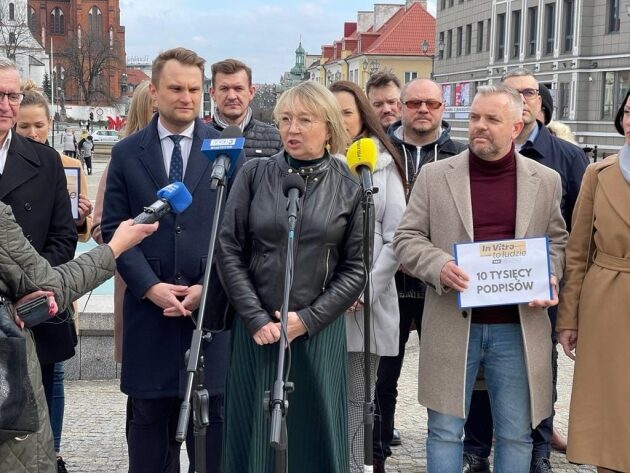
{"x": 439, "y": 215}
{"x": 595, "y": 301}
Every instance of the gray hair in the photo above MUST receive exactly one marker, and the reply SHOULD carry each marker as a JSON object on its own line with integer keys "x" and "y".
{"x": 512, "y": 94}
{"x": 519, "y": 72}
{"x": 6, "y": 63}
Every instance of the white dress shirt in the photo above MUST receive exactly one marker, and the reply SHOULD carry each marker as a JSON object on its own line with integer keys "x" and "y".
{"x": 4, "y": 150}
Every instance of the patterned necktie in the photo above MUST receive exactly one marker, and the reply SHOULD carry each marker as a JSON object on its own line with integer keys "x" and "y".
{"x": 175, "y": 173}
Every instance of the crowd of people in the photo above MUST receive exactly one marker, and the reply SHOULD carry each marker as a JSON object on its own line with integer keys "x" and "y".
{"x": 487, "y": 375}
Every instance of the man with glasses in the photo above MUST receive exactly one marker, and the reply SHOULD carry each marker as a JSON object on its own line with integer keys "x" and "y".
{"x": 383, "y": 92}
{"x": 422, "y": 137}
{"x": 537, "y": 143}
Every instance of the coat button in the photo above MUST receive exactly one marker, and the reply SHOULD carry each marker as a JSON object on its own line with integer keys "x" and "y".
{"x": 178, "y": 275}
{"x": 464, "y": 314}
{"x": 178, "y": 229}
{"x": 27, "y": 207}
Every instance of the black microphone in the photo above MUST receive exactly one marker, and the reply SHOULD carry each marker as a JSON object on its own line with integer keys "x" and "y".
{"x": 293, "y": 188}
{"x": 172, "y": 198}
{"x": 222, "y": 151}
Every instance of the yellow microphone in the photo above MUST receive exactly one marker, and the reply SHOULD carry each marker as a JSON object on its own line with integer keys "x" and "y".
{"x": 361, "y": 158}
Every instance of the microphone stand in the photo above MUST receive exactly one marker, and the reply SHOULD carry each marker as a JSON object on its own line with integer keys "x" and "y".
{"x": 275, "y": 402}
{"x": 368, "y": 248}
{"x": 195, "y": 362}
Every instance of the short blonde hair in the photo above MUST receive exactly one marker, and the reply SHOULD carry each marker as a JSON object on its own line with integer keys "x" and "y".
{"x": 319, "y": 101}
{"x": 140, "y": 109}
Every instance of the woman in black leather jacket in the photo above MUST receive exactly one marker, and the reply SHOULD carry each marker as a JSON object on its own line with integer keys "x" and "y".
{"x": 328, "y": 278}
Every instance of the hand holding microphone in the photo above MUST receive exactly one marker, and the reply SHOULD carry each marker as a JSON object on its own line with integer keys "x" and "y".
{"x": 172, "y": 198}
{"x": 361, "y": 158}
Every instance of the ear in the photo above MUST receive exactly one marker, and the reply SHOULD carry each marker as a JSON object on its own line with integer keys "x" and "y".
{"x": 517, "y": 128}
{"x": 252, "y": 90}
{"x": 153, "y": 91}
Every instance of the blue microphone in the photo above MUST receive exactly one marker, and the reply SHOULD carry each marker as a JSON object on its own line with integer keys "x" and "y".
{"x": 172, "y": 198}
{"x": 223, "y": 151}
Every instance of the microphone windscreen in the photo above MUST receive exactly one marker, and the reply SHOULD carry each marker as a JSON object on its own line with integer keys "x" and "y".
{"x": 231, "y": 131}
{"x": 362, "y": 152}
{"x": 177, "y": 196}
{"x": 293, "y": 181}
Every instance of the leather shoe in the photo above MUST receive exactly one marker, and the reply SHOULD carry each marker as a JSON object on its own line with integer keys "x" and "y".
{"x": 540, "y": 465}
{"x": 379, "y": 466}
{"x": 475, "y": 464}
{"x": 558, "y": 442}
{"x": 396, "y": 441}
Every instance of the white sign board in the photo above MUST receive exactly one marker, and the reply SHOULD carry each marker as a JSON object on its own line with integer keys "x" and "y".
{"x": 504, "y": 271}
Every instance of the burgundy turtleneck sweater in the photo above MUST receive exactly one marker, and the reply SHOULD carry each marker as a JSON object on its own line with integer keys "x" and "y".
{"x": 493, "y": 198}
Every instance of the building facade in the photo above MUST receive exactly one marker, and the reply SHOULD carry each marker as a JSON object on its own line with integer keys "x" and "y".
{"x": 395, "y": 38}
{"x": 579, "y": 49}
{"x": 19, "y": 44}
{"x": 87, "y": 45}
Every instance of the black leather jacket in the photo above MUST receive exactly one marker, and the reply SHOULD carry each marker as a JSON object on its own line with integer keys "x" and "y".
{"x": 251, "y": 257}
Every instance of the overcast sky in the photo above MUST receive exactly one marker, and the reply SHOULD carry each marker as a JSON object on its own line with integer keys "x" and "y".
{"x": 262, "y": 33}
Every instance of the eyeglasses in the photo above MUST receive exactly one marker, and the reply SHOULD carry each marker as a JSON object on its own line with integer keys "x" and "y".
{"x": 301, "y": 123}
{"x": 15, "y": 98}
{"x": 528, "y": 93}
{"x": 416, "y": 104}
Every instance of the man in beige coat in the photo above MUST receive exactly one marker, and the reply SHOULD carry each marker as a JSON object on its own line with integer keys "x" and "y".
{"x": 487, "y": 192}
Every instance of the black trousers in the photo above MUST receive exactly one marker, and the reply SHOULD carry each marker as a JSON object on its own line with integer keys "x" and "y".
{"x": 478, "y": 428}
{"x": 387, "y": 379}
{"x": 152, "y": 444}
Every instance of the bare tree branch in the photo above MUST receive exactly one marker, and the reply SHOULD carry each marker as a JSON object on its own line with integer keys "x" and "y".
{"x": 15, "y": 36}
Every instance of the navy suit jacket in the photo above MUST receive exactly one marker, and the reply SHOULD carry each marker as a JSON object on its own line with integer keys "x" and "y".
{"x": 154, "y": 345}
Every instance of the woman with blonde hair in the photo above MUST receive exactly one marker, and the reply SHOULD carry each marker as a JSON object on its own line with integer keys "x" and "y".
{"x": 328, "y": 278}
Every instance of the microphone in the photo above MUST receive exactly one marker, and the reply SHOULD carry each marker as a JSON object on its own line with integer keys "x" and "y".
{"x": 222, "y": 151}
{"x": 361, "y": 158}
{"x": 293, "y": 188}
{"x": 172, "y": 198}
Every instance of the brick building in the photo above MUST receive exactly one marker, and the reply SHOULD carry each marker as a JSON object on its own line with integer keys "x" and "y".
{"x": 87, "y": 44}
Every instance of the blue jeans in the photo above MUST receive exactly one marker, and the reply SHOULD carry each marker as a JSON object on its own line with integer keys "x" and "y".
{"x": 499, "y": 349}
{"x": 52, "y": 380}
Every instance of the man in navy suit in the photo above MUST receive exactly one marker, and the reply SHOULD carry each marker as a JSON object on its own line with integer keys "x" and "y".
{"x": 164, "y": 275}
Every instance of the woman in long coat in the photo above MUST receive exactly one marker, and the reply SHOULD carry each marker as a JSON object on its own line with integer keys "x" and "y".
{"x": 328, "y": 278}
{"x": 594, "y": 314}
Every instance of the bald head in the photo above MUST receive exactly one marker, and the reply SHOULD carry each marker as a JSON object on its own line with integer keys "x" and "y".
{"x": 422, "y": 111}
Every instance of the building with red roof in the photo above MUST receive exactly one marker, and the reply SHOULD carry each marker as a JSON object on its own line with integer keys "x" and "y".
{"x": 396, "y": 38}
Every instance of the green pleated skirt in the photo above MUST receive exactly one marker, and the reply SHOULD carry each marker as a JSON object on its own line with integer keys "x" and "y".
{"x": 316, "y": 420}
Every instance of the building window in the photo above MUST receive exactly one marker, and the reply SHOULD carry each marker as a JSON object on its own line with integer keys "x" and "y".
{"x": 410, "y": 76}
{"x": 613, "y": 14}
{"x": 450, "y": 3}
{"x": 460, "y": 40}
{"x": 516, "y": 33}
{"x": 441, "y": 41}
{"x": 449, "y": 43}
{"x": 12, "y": 11}
{"x": 500, "y": 51}
{"x": 479, "y": 36}
{"x": 550, "y": 27}
{"x": 616, "y": 85}
{"x": 443, "y": 5}
{"x": 12, "y": 37}
{"x": 532, "y": 30}
{"x": 569, "y": 11}
{"x": 57, "y": 22}
{"x": 488, "y": 33}
{"x": 96, "y": 20}
{"x": 32, "y": 19}
{"x": 468, "y": 38}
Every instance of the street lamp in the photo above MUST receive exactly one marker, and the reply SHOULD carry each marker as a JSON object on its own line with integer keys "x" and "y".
{"x": 337, "y": 76}
{"x": 371, "y": 67}
{"x": 424, "y": 48}
{"x": 123, "y": 85}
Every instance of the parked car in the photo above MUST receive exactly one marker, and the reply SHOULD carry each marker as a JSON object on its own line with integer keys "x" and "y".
{"x": 105, "y": 136}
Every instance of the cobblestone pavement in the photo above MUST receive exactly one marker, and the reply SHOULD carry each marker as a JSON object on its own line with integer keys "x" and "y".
{"x": 94, "y": 431}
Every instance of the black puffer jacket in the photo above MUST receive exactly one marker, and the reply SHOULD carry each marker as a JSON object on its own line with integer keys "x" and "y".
{"x": 261, "y": 139}
{"x": 328, "y": 263}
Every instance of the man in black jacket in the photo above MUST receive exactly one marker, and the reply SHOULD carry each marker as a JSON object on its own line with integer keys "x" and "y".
{"x": 232, "y": 92}
{"x": 537, "y": 143}
{"x": 422, "y": 137}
